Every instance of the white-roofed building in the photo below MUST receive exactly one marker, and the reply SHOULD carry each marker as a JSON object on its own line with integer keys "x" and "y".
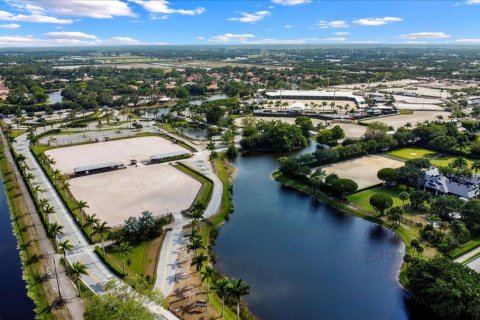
{"x": 468, "y": 187}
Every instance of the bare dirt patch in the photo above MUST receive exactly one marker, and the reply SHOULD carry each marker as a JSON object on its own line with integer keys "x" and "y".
{"x": 362, "y": 170}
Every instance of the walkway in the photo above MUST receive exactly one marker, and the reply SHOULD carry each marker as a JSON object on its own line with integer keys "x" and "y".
{"x": 175, "y": 239}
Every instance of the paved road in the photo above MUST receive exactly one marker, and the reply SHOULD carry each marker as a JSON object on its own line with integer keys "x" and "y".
{"x": 475, "y": 264}
{"x": 98, "y": 274}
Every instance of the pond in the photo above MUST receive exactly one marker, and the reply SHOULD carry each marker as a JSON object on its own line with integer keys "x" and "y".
{"x": 54, "y": 97}
{"x": 197, "y": 102}
{"x": 17, "y": 305}
{"x": 304, "y": 259}
{"x": 196, "y": 133}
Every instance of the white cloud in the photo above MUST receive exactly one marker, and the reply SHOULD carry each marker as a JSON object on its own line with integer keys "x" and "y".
{"x": 334, "y": 39}
{"x": 105, "y": 9}
{"x": 30, "y": 41}
{"x": 468, "y": 41}
{"x": 230, "y": 37}
{"x": 373, "y": 22}
{"x": 251, "y": 17}
{"x": 277, "y": 41}
{"x": 162, "y": 6}
{"x": 63, "y": 40}
{"x": 323, "y": 24}
{"x": 415, "y": 42}
{"x": 36, "y": 18}
{"x": 291, "y": 2}
{"x": 122, "y": 40}
{"x": 472, "y": 2}
{"x": 287, "y": 26}
{"x": 425, "y": 35}
{"x": 70, "y": 35}
{"x": 341, "y": 33}
{"x": 10, "y": 26}
{"x": 200, "y": 38}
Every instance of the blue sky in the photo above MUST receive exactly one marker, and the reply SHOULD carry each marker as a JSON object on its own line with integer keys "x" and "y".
{"x": 113, "y": 22}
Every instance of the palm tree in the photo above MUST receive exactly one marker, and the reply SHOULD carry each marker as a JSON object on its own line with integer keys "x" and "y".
{"x": 213, "y": 155}
{"x": 195, "y": 244}
{"x": 125, "y": 249}
{"x": 48, "y": 209}
{"x": 221, "y": 288}
{"x": 475, "y": 166}
{"x": 197, "y": 211}
{"x": 43, "y": 203}
{"x": 29, "y": 177}
{"x": 237, "y": 288}
{"x": 80, "y": 206}
{"x": 36, "y": 190}
{"x": 208, "y": 274}
{"x": 101, "y": 229}
{"x": 63, "y": 247}
{"x": 90, "y": 221}
{"x": 458, "y": 163}
{"x": 198, "y": 261}
{"x": 54, "y": 229}
{"x": 75, "y": 271}
{"x": 404, "y": 196}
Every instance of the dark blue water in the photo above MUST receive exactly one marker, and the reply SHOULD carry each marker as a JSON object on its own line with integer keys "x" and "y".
{"x": 304, "y": 259}
{"x": 14, "y": 303}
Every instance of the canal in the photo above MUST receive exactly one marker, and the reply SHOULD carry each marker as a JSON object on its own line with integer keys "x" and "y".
{"x": 14, "y": 303}
{"x": 304, "y": 259}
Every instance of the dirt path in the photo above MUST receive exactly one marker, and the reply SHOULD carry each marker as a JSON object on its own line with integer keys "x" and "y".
{"x": 188, "y": 289}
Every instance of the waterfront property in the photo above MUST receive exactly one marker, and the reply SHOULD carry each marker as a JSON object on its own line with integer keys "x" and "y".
{"x": 464, "y": 187}
{"x": 362, "y": 170}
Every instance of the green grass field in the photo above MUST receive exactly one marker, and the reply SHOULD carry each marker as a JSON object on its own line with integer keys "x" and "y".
{"x": 415, "y": 153}
{"x": 362, "y": 199}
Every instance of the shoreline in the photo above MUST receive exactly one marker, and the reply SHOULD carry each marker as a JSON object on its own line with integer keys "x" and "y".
{"x": 350, "y": 209}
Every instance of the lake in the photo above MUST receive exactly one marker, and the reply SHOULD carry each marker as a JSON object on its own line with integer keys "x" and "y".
{"x": 17, "y": 305}
{"x": 304, "y": 259}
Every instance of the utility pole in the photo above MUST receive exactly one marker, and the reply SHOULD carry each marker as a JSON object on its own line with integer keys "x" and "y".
{"x": 56, "y": 276}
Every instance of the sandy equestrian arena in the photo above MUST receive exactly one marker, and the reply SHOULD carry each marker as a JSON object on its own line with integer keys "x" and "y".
{"x": 362, "y": 170}
{"x": 121, "y": 151}
{"x": 397, "y": 121}
{"x": 116, "y": 195}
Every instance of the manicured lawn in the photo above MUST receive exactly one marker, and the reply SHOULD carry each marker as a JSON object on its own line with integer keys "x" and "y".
{"x": 362, "y": 199}
{"x": 205, "y": 192}
{"x": 415, "y": 153}
{"x": 143, "y": 259}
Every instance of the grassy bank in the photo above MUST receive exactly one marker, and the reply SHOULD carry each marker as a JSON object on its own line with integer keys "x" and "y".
{"x": 205, "y": 192}
{"x": 30, "y": 249}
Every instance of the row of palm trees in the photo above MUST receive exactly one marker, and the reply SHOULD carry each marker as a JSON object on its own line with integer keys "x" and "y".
{"x": 224, "y": 287}
{"x": 74, "y": 270}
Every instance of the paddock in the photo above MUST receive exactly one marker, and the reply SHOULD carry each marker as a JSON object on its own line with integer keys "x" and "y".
{"x": 116, "y": 195}
{"x": 362, "y": 170}
{"x": 121, "y": 151}
{"x": 401, "y": 120}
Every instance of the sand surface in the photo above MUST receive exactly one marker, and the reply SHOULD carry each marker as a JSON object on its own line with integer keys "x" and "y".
{"x": 121, "y": 151}
{"x": 362, "y": 170}
{"x": 116, "y": 195}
